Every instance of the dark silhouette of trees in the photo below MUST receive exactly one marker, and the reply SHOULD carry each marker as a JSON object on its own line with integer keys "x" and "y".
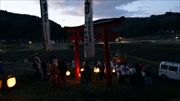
{"x": 20, "y": 26}
{"x": 28, "y": 27}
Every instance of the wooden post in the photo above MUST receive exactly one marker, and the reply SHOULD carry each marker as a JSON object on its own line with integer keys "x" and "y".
{"x": 76, "y": 55}
{"x": 107, "y": 57}
{"x": 43, "y": 64}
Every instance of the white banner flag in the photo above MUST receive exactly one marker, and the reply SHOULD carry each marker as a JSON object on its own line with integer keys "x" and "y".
{"x": 45, "y": 25}
{"x": 89, "y": 48}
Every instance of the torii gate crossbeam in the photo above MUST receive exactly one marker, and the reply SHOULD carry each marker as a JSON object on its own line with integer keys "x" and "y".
{"x": 98, "y": 25}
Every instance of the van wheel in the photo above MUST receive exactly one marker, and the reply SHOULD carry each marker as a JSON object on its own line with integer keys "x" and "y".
{"x": 164, "y": 77}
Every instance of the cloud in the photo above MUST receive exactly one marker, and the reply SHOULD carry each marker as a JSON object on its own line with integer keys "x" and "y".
{"x": 67, "y": 7}
{"x": 110, "y": 8}
{"x": 101, "y": 8}
{"x": 176, "y": 8}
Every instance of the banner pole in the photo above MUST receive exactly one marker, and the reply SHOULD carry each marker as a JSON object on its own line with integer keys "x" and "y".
{"x": 43, "y": 42}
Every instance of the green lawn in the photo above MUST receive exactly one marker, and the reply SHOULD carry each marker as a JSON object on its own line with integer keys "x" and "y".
{"x": 30, "y": 88}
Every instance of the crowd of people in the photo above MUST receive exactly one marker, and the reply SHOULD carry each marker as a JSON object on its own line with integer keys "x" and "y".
{"x": 57, "y": 69}
{"x": 137, "y": 73}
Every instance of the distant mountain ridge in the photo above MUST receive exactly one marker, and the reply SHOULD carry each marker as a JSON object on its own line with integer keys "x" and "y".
{"x": 27, "y": 27}
{"x": 153, "y": 25}
{"x": 20, "y": 26}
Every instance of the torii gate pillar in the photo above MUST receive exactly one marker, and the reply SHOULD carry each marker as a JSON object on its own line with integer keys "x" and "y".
{"x": 107, "y": 57}
{"x": 76, "y": 55}
{"x": 103, "y": 25}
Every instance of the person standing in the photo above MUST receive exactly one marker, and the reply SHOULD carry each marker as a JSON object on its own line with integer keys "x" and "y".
{"x": 73, "y": 64}
{"x": 55, "y": 73}
{"x": 97, "y": 65}
{"x": 139, "y": 79}
{"x": 1, "y": 75}
{"x": 37, "y": 62}
{"x": 103, "y": 75}
{"x": 133, "y": 75}
{"x": 148, "y": 71}
{"x": 88, "y": 70}
{"x": 117, "y": 53}
{"x": 63, "y": 68}
{"x": 121, "y": 74}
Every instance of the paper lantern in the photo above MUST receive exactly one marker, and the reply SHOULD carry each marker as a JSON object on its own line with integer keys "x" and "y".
{"x": 82, "y": 69}
{"x": 96, "y": 70}
{"x": 68, "y": 73}
{"x": 11, "y": 82}
{"x": 113, "y": 70}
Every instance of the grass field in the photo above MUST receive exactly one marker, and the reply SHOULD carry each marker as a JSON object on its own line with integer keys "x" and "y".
{"x": 30, "y": 88}
{"x": 156, "y": 52}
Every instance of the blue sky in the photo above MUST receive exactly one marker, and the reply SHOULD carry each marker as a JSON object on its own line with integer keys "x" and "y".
{"x": 71, "y": 12}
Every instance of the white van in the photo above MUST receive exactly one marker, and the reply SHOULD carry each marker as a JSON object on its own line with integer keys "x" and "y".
{"x": 169, "y": 70}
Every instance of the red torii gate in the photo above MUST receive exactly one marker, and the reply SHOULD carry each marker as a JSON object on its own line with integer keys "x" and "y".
{"x": 99, "y": 36}
{"x": 100, "y": 25}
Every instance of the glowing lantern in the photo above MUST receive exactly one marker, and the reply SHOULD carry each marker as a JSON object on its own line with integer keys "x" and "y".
{"x": 68, "y": 73}
{"x": 96, "y": 70}
{"x": 82, "y": 69}
{"x": 11, "y": 81}
{"x": 113, "y": 70}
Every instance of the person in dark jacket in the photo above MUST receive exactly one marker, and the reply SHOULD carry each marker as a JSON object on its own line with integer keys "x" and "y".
{"x": 148, "y": 71}
{"x": 139, "y": 78}
{"x": 63, "y": 68}
{"x": 88, "y": 70}
{"x": 1, "y": 75}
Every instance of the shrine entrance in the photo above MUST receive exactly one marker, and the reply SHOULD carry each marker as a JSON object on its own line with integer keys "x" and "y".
{"x": 103, "y": 25}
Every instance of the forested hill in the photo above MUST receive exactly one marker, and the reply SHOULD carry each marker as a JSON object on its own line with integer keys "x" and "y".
{"x": 153, "y": 25}
{"x": 20, "y": 26}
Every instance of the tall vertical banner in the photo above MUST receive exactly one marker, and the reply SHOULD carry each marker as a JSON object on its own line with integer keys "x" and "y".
{"x": 89, "y": 48}
{"x": 45, "y": 25}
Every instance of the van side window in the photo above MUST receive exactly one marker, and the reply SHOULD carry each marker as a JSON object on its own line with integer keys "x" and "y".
{"x": 164, "y": 67}
{"x": 173, "y": 68}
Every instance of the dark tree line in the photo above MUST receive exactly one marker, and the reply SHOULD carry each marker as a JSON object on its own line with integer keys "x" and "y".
{"x": 20, "y": 26}
{"x": 135, "y": 27}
